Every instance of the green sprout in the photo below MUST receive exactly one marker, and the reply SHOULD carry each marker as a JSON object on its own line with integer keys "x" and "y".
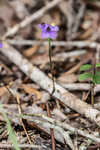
{"x": 90, "y": 72}
{"x": 10, "y": 129}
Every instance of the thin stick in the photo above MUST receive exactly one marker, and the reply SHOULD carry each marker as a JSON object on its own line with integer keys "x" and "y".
{"x": 63, "y": 125}
{"x": 20, "y": 112}
{"x": 92, "y": 94}
{"x": 51, "y": 66}
{"x": 51, "y": 130}
{"x": 79, "y": 44}
{"x": 93, "y": 84}
{"x": 4, "y": 145}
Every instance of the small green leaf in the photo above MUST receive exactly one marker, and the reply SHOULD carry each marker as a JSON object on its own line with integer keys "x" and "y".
{"x": 98, "y": 65}
{"x": 96, "y": 78}
{"x": 85, "y": 67}
{"x": 97, "y": 73}
{"x": 85, "y": 76}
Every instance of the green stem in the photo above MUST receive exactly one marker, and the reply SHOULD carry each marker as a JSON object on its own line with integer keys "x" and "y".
{"x": 51, "y": 65}
{"x": 93, "y": 84}
{"x": 92, "y": 94}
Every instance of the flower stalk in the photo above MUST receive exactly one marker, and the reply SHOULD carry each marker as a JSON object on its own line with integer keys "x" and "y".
{"x": 49, "y": 32}
{"x": 51, "y": 65}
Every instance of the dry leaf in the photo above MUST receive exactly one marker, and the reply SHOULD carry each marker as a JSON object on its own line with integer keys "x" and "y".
{"x": 3, "y": 90}
{"x": 29, "y": 52}
{"x": 31, "y": 90}
{"x": 70, "y": 78}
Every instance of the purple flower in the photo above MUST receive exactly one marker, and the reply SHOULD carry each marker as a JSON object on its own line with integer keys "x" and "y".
{"x": 1, "y": 45}
{"x": 48, "y": 31}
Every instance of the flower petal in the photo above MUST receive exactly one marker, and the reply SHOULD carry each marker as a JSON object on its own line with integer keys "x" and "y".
{"x": 43, "y": 26}
{"x": 40, "y": 26}
{"x": 53, "y": 34}
{"x": 45, "y": 35}
{"x": 48, "y": 31}
{"x": 54, "y": 28}
{"x": 1, "y": 45}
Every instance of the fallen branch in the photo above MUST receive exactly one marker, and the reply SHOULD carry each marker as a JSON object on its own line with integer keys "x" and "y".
{"x": 79, "y": 44}
{"x": 79, "y": 86}
{"x": 46, "y": 83}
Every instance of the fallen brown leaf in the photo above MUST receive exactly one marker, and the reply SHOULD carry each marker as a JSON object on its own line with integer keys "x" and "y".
{"x": 31, "y": 90}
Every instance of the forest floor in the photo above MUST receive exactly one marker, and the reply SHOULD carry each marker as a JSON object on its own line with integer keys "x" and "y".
{"x": 66, "y": 119}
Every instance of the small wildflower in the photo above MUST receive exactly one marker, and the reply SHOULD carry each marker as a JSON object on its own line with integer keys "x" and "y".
{"x": 1, "y": 45}
{"x": 49, "y": 31}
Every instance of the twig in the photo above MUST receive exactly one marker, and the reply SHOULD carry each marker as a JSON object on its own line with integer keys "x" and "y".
{"x": 3, "y": 145}
{"x": 46, "y": 83}
{"x": 97, "y": 146}
{"x": 63, "y": 125}
{"x": 51, "y": 130}
{"x": 20, "y": 112}
{"x": 20, "y": 9}
{"x": 51, "y": 125}
{"x": 67, "y": 138}
{"x": 79, "y": 16}
{"x": 31, "y": 18}
{"x": 69, "y": 86}
{"x": 74, "y": 18}
{"x": 79, "y": 86}
{"x": 93, "y": 84}
{"x": 78, "y": 44}
{"x": 65, "y": 55}
{"x": 46, "y": 123}
{"x": 98, "y": 54}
